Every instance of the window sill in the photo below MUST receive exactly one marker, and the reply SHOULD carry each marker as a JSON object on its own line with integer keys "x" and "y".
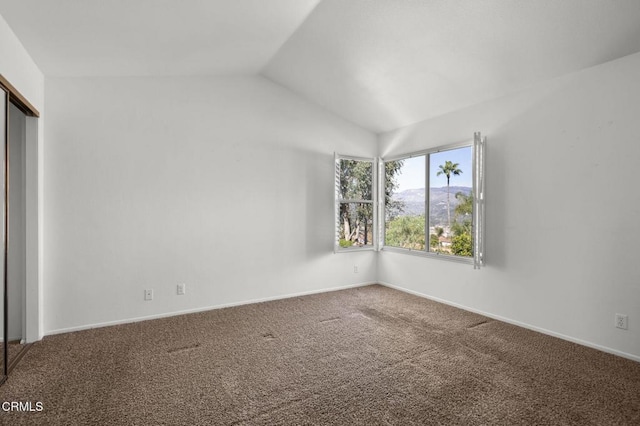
{"x": 352, "y": 249}
{"x": 422, "y": 253}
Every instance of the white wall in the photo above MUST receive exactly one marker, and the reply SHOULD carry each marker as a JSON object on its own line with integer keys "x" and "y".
{"x": 19, "y": 69}
{"x": 563, "y": 235}
{"x": 225, "y": 184}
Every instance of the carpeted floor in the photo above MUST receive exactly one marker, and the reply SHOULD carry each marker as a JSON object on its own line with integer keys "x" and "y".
{"x": 14, "y": 349}
{"x": 367, "y": 356}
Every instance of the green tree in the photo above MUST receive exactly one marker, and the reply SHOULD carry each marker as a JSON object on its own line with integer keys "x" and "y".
{"x": 356, "y": 180}
{"x": 391, "y": 171}
{"x": 465, "y": 204}
{"x": 461, "y": 245}
{"x": 462, "y": 242}
{"x": 462, "y": 214}
{"x": 406, "y": 232}
{"x": 434, "y": 241}
{"x": 356, "y": 183}
{"x": 449, "y": 169}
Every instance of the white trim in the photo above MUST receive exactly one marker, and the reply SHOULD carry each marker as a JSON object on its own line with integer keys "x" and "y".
{"x": 354, "y": 201}
{"x": 375, "y": 178}
{"x": 380, "y": 202}
{"x": 352, "y": 157}
{"x": 429, "y": 151}
{"x": 429, "y": 254}
{"x": 204, "y": 309}
{"x": 33, "y": 163}
{"x": 478, "y": 220}
{"x": 354, "y": 248}
{"x": 517, "y": 323}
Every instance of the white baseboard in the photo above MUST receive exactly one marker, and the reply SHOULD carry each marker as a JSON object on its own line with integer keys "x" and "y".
{"x": 518, "y": 323}
{"x": 202, "y": 309}
{"x": 22, "y": 341}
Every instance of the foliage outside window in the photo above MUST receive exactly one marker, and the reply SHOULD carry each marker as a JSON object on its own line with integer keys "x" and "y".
{"x": 446, "y": 193}
{"x": 355, "y": 227}
{"x": 444, "y": 182}
{"x": 430, "y": 202}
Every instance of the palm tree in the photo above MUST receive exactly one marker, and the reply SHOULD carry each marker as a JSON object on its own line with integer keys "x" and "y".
{"x": 448, "y": 169}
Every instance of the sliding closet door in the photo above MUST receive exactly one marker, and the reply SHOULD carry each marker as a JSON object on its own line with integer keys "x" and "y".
{"x": 4, "y": 108}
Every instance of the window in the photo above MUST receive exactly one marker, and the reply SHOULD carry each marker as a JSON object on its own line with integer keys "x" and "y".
{"x": 430, "y": 203}
{"x": 405, "y": 206}
{"x": 446, "y": 182}
{"x": 354, "y": 207}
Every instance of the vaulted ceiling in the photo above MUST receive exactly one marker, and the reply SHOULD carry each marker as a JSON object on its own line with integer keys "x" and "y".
{"x": 382, "y": 64}
{"x": 153, "y": 37}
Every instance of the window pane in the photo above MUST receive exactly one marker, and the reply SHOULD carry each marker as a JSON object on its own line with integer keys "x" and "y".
{"x": 356, "y": 180}
{"x": 451, "y": 202}
{"x": 405, "y": 203}
{"x": 355, "y": 228}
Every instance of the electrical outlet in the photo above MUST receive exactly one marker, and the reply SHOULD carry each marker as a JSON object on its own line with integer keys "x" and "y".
{"x": 181, "y": 288}
{"x": 148, "y": 294}
{"x": 355, "y": 269}
{"x": 622, "y": 321}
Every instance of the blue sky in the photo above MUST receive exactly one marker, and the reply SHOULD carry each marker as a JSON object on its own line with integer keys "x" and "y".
{"x": 413, "y": 169}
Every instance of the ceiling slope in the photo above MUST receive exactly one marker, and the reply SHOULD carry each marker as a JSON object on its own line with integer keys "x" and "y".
{"x": 153, "y": 37}
{"x": 385, "y": 64}
{"x": 382, "y": 64}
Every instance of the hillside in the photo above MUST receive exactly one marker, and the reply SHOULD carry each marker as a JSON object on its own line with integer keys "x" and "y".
{"x": 413, "y": 202}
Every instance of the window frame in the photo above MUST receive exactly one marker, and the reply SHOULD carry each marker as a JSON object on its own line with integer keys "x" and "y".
{"x": 479, "y": 216}
{"x": 338, "y": 201}
{"x": 477, "y": 145}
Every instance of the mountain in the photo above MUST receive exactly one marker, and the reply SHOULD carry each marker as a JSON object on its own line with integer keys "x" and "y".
{"x": 413, "y": 202}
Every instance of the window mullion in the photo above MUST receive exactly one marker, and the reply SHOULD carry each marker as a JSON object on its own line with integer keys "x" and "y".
{"x": 427, "y": 205}
{"x": 381, "y": 198}
{"x": 336, "y": 187}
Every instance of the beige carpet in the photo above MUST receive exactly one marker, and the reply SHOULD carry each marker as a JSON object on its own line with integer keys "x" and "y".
{"x": 369, "y": 356}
